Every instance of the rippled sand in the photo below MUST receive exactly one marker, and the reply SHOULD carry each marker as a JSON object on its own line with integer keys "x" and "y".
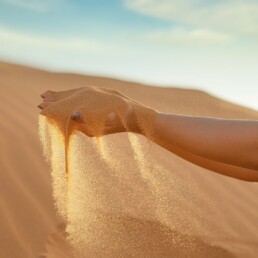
{"x": 126, "y": 197}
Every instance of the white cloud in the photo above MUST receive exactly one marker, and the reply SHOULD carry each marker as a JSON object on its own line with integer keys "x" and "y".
{"x": 192, "y": 37}
{"x": 35, "y": 5}
{"x": 8, "y": 36}
{"x": 232, "y": 16}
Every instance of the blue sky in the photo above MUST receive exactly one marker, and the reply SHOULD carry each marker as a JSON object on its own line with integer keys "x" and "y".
{"x": 205, "y": 44}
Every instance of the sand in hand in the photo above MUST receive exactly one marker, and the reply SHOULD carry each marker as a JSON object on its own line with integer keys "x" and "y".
{"x": 119, "y": 195}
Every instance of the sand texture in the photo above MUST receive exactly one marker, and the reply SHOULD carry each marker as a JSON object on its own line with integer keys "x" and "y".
{"x": 127, "y": 197}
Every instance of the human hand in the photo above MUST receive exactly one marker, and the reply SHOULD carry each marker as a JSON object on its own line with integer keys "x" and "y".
{"x": 94, "y": 111}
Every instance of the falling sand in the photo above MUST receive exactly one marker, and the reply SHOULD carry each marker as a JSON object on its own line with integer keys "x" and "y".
{"x": 117, "y": 194}
{"x": 188, "y": 207}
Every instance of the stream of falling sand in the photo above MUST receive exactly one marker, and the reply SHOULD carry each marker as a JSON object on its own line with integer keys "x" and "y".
{"x": 99, "y": 179}
{"x": 53, "y": 142}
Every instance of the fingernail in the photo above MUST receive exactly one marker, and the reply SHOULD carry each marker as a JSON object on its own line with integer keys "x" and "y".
{"x": 76, "y": 116}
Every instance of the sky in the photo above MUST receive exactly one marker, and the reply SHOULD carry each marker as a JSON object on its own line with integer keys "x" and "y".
{"x": 210, "y": 45}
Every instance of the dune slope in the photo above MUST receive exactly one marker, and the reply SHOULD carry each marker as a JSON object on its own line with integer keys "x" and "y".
{"x": 220, "y": 211}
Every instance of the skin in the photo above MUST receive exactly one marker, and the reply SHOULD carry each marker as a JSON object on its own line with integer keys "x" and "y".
{"x": 69, "y": 107}
{"x": 228, "y": 147}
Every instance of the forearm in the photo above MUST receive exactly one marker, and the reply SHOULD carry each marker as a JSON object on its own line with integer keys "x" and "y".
{"x": 220, "y": 145}
{"x": 219, "y": 167}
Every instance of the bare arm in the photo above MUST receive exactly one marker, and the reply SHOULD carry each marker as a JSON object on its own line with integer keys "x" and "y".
{"x": 229, "y": 147}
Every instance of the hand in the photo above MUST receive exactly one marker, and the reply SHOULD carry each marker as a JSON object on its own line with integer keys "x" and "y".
{"x": 94, "y": 111}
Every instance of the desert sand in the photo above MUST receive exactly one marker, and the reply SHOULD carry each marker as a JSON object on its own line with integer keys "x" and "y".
{"x": 127, "y": 196}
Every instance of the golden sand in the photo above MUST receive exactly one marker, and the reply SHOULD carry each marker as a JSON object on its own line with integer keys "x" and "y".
{"x": 110, "y": 207}
{"x": 212, "y": 215}
{"x": 118, "y": 210}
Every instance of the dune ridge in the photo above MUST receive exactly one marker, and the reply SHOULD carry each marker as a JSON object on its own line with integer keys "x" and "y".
{"x": 223, "y": 211}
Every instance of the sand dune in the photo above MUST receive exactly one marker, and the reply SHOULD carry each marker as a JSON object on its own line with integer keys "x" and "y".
{"x": 209, "y": 216}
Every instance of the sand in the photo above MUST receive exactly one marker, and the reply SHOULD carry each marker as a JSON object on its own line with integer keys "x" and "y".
{"x": 142, "y": 201}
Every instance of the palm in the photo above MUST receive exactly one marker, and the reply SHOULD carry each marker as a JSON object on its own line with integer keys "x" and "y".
{"x": 95, "y": 111}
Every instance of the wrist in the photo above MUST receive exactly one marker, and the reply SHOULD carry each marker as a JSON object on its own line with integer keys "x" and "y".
{"x": 144, "y": 121}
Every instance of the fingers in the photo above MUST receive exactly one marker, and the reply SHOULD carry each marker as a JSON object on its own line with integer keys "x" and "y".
{"x": 44, "y": 105}
{"x": 48, "y": 96}
{"x": 52, "y": 96}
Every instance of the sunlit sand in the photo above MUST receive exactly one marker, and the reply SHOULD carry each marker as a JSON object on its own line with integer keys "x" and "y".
{"x": 120, "y": 197}
{"x": 124, "y": 196}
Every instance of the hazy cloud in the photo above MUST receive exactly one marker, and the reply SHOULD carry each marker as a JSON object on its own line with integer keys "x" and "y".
{"x": 8, "y": 36}
{"x": 231, "y": 16}
{"x": 183, "y": 37}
